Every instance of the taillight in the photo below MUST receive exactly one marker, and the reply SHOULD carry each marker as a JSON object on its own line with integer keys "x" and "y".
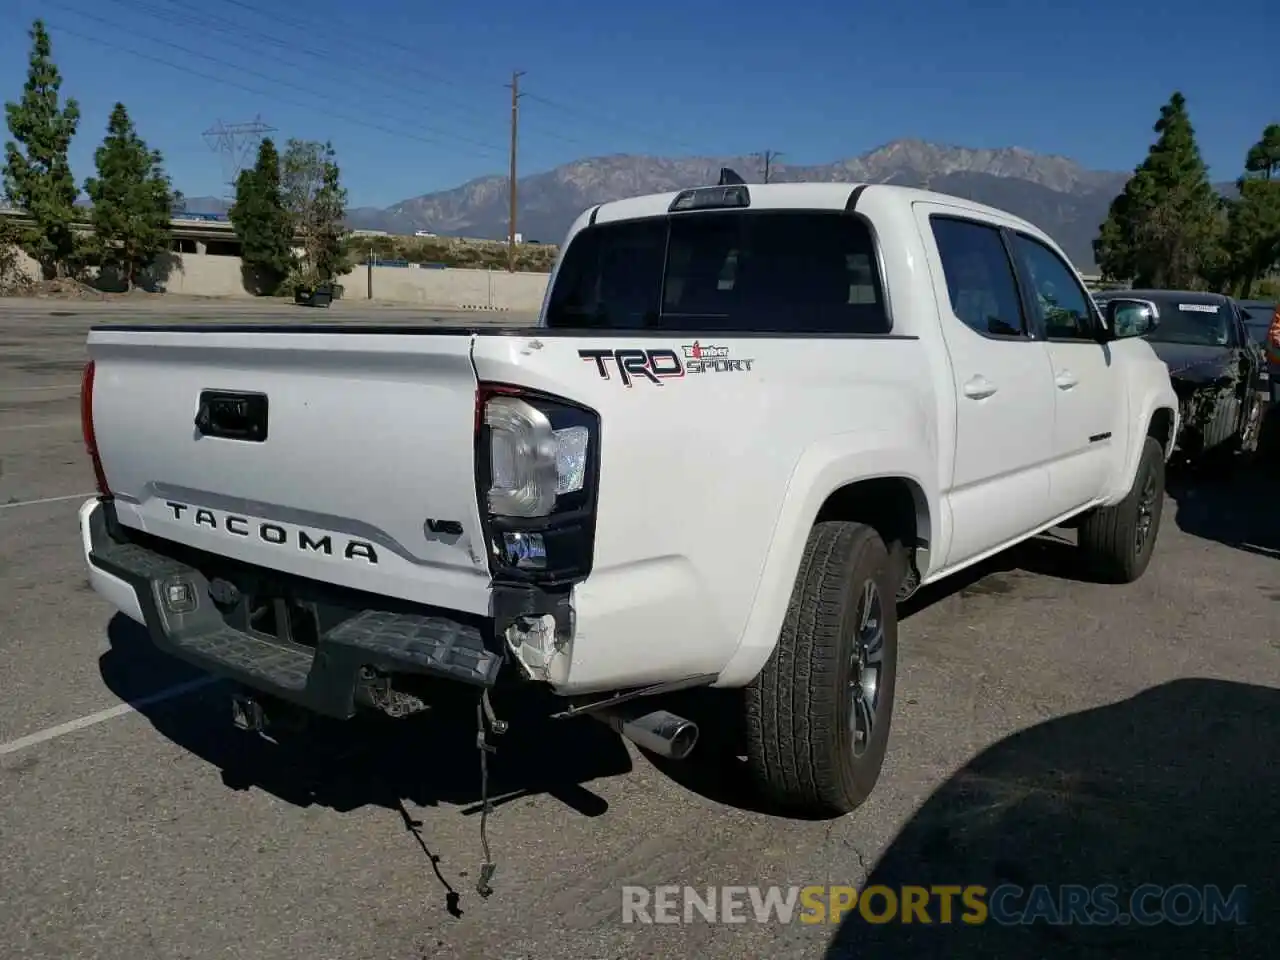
{"x": 87, "y": 431}
{"x": 536, "y": 465}
{"x": 1273, "y": 338}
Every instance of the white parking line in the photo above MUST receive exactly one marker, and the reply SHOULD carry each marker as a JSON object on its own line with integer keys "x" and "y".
{"x": 47, "y": 386}
{"x": 32, "y": 503}
{"x": 71, "y": 726}
{"x": 66, "y": 421}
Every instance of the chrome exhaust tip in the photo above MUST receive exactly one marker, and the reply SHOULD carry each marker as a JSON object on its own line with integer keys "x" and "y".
{"x": 658, "y": 731}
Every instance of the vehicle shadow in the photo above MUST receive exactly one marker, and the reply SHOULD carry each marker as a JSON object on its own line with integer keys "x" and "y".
{"x": 430, "y": 759}
{"x": 1169, "y": 787}
{"x": 1235, "y": 505}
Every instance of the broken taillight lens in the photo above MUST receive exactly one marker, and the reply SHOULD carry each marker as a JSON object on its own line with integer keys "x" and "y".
{"x": 537, "y": 460}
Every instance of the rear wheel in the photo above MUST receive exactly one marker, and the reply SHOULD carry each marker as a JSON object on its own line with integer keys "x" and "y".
{"x": 1117, "y": 541}
{"x": 818, "y": 714}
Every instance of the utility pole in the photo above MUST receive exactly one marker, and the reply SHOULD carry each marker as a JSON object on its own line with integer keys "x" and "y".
{"x": 515, "y": 124}
{"x": 768, "y": 157}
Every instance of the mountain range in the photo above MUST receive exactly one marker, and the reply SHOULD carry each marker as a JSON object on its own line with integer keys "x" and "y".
{"x": 1057, "y": 194}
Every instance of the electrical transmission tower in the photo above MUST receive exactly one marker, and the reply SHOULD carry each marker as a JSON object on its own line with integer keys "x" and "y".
{"x": 236, "y": 145}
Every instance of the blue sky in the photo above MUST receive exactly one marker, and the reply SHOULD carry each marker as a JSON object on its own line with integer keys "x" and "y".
{"x": 416, "y": 102}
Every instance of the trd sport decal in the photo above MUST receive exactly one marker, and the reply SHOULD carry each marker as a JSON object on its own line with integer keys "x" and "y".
{"x": 709, "y": 359}
{"x": 659, "y": 365}
{"x": 652, "y": 365}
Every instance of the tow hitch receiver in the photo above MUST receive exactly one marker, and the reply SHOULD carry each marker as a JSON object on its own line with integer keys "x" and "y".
{"x": 247, "y": 713}
{"x": 268, "y": 717}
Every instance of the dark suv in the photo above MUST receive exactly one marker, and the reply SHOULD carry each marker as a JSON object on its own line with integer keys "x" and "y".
{"x": 1216, "y": 366}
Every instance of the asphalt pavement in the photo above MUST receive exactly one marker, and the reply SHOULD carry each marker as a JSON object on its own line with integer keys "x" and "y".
{"x": 1049, "y": 730}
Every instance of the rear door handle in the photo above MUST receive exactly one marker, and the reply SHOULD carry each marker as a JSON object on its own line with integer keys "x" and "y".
{"x": 979, "y": 388}
{"x": 1065, "y": 380}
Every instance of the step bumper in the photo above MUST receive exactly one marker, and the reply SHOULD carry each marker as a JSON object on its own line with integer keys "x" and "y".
{"x": 355, "y": 637}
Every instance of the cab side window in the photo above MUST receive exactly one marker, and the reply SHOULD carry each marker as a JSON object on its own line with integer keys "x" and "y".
{"x": 1056, "y": 295}
{"x": 980, "y": 279}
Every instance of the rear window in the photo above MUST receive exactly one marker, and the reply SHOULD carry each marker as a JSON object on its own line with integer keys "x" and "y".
{"x": 743, "y": 271}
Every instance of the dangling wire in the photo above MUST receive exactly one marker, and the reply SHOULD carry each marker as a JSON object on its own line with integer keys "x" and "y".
{"x": 484, "y": 711}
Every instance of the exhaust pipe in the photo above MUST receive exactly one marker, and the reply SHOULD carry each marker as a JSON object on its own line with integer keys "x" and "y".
{"x": 658, "y": 731}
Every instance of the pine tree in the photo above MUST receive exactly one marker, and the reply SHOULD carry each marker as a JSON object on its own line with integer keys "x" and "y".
{"x": 333, "y": 252}
{"x": 132, "y": 200}
{"x": 37, "y": 174}
{"x": 1162, "y": 231}
{"x": 262, "y": 222}
{"x": 1253, "y": 237}
{"x": 1264, "y": 156}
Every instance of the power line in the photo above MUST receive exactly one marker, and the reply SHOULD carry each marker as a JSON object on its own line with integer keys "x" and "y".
{"x": 382, "y": 41}
{"x": 599, "y": 119}
{"x": 479, "y": 145}
{"x": 248, "y": 88}
{"x": 448, "y": 81}
{"x": 241, "y": 33}
{"x": 309, "y": 28}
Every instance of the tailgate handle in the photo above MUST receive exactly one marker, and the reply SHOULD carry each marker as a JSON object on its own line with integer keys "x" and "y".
{"x": 232, "y": 416}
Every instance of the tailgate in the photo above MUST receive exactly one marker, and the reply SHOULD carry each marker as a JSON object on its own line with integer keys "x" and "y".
{"x": 365, "y": 476}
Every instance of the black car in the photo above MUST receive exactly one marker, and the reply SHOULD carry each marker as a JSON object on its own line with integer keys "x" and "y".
{"x": 1216, "y": 366}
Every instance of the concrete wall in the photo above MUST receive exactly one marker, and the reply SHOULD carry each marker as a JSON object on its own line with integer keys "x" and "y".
{"x": 480, "y": 289}
{"x": 213, "y": 276}
{"x": 207, "y": 275}
{"x": 203, "y": 275}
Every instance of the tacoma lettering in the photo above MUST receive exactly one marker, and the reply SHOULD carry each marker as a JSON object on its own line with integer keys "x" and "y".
{"x": 272, "y": 533}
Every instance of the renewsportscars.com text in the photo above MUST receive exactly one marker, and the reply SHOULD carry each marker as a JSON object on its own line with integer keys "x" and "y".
{"x": 1007, "y": 905}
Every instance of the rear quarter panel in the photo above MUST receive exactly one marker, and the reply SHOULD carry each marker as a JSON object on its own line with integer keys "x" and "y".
{"x": 710, "y": 477}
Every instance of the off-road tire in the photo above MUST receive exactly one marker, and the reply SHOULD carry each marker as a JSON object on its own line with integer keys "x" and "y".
{"x": 799, "y": 734}
{"x": 1108, "y": 536}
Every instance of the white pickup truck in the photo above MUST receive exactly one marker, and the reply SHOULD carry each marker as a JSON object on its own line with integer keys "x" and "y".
{"x": 750, "y": 419}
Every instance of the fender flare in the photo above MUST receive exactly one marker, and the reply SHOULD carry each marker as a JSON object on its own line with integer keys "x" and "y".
{"x": 1162, "y": 400}
{"x": 821, "y": 469}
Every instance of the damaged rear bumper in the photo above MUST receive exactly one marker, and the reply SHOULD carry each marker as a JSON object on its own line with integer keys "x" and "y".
{"x": 302, "y": 642}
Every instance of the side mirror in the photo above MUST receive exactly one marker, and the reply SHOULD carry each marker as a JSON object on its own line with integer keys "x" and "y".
{"x": 1131, "y": 318}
